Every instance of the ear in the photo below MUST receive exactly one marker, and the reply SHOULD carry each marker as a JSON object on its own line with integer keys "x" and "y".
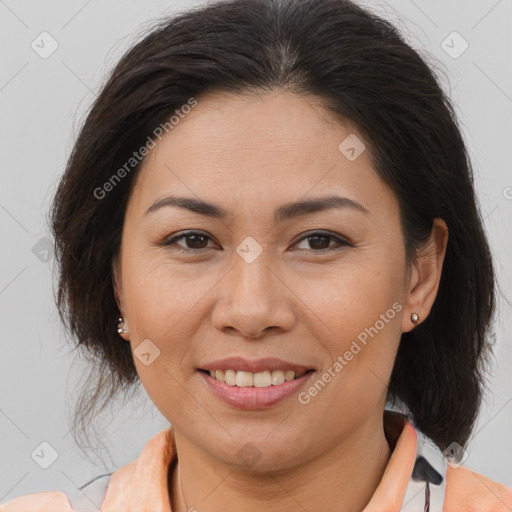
{"x": 117, "y": 283}
{"x": 426, "y": 275}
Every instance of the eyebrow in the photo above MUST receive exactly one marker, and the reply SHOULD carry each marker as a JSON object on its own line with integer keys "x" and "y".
{"x": 285, "y": 212}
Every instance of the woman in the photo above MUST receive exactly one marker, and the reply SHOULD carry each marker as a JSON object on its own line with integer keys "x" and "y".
{"x": 269, "y": 219}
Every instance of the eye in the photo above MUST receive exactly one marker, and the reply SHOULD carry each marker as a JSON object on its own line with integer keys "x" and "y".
{"x": 319, "y": 240}
{"x": 194, "y": 240}
{"x": 198, "y": 241}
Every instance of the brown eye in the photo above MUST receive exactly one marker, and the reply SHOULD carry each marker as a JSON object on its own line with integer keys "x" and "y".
{"x": 193, "y": 240}
{"x": 320, "y": 241}
{"x": 196, "y": 241}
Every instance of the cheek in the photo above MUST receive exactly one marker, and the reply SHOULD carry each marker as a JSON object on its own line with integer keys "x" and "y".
{"x": 160, "y": 292}
{"x": 165, "y": 304}
{"x": 358, "y": 318}
{"x": 351, "y": 298}
{"x": 360, "y": 347}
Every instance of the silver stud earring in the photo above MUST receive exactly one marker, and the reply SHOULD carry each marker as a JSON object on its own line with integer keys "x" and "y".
{"x": 414, "y": 318}
{"x": 120, "y": 326}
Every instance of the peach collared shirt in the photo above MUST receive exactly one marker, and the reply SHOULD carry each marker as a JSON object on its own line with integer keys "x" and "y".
{"x": 141, "y": 486}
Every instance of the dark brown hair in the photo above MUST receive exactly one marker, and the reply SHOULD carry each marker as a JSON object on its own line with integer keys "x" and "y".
{"x": 364, "y": 71}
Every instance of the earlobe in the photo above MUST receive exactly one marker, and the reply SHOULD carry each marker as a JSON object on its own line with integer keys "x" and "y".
{"x": 122, "y": 326}
{"x": 426, "y": 276}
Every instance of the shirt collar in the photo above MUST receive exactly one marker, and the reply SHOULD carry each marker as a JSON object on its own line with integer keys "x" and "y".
{"x": 413, "y": 465}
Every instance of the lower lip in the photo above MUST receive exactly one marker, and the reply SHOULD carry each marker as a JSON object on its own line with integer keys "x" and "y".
{"x": 251, "y": 398}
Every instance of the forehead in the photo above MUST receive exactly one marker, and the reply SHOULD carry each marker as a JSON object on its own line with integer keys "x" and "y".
{"x": 259, "y": 149}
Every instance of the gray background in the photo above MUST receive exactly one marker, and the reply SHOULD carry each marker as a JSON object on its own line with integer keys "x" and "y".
{"x": 43, "y": 101}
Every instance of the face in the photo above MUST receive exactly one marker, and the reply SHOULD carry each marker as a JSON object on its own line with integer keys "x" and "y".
{"x": 326, "y": 288}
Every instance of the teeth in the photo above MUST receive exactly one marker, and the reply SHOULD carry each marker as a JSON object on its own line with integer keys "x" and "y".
{"x": 244, "y": 379}
{"x": 278, "y": 378}
{"x": 262, "y": 380}
{"x": 230, "y": 377}
{"x": 257, "y": 380}
{"x": 289, "y": 375}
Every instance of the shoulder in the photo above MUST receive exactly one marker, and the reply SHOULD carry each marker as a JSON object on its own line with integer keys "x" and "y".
{"x": 52, "y": 501}
{"x": 89, "y": 496}
{"x": 138, "y": 481}
{"x": 470, "y": 491}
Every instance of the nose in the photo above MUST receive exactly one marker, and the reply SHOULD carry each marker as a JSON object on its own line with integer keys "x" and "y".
{"x": 253, "y": 300}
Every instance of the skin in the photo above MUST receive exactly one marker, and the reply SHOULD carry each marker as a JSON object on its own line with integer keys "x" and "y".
{"x": 250, "y": 154}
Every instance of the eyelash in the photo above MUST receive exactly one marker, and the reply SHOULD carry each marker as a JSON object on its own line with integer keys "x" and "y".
{"x": 173, "y": 240}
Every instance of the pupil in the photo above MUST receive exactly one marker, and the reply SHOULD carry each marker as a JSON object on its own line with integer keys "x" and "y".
{"x": 317, "y": 237}
{"x": 197, "y": 239}
{"x": 315, "y": 242}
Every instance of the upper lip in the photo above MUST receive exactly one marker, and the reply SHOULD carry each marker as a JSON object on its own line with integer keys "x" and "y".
{"x": 254, "y": 366}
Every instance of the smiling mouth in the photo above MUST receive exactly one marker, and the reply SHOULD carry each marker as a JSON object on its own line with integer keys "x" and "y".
{"x": 258, "y": 380}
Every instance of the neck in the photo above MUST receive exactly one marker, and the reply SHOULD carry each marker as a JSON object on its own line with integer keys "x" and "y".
{"x": 343, "y": 479}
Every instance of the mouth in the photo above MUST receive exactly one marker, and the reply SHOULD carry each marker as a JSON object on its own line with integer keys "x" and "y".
{"x": 261, "y": 379}
{"x": 248, "y": 391}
